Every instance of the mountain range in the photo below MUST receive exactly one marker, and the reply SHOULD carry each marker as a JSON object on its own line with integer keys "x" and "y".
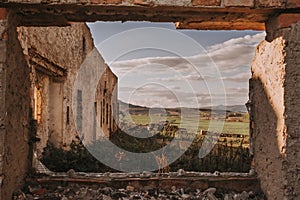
{"x": 221, "y": 108}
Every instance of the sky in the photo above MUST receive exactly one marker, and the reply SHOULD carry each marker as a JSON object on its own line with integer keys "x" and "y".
{"x": 159, "y": 66}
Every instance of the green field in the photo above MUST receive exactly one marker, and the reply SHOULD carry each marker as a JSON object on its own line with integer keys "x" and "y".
{"x": 191, "y": 123}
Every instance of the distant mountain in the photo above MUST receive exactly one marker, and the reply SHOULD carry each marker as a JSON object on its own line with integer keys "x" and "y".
{"x": 125, "y": 105}
{"x": 133, "y": 109}
{"x": 136, "y": 109}
{"x": 232, "y": 108}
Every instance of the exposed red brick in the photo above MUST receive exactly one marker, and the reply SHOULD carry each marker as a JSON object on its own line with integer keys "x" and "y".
{"x": 143, "y": 3}
{"x": 293, "y": 3}
{"x": 4, "y": 36}
{"x": 285, "y": 20}
{"x": 40, "y": 191}
{"x": 222, "y": 25}
{"x": 106, "y": 1}
{"x": 206, "y": 2}
{"x": 239, "y": 3}
{"x": 270, "y": 3}
{"x": 2, "y": 13}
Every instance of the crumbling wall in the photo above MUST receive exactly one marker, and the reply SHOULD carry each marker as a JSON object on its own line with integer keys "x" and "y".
{"x": 291, "y": 166}
{"x": 3, "y": 41}
{"x": 266, "y": 95}
{"x": 67, "y": 48}
{"x": 15, "y": 122}
{"x": 106, "y": 102}
{"x": 274, "y": 95}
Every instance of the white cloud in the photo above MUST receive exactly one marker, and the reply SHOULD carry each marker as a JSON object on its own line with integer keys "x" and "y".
{"x": 236, "y": 90}
{"x": 176, "y": 78}
{"x": 239, "y": 78}
{"x": 246, "y": 40}
{"x": 230, "y": 57}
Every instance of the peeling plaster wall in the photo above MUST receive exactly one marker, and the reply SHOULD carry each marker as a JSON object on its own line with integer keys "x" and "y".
{"x": 96, "y": 105}
{"x": 266, "y": 95}
{"x": 274, "y": 95}
{"x": 292, "y": 112}
{"x": 107, "y": 94}
{"x": 3, "y": 41}
{"x": 15, "y": 111}
{"x": 52, "y": 46}
{"x": 57, "y": 122}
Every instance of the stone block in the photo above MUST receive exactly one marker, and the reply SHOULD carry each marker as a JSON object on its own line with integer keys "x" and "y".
{"x": 2, "y": 51}
{"x": 292, "y": 3}
{"x": 269, "y": 3}
{"x": 143, "y": 2}
{"x": 2, "y": 13}
{"x": 238, "y": 3}
{"x": 206, "y": 2}
{"x": 106, "y": 1}
{"x": 286, "y": 20}
{"x": 1, "y": 164}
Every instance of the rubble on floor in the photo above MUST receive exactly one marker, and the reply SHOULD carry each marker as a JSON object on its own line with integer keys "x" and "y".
{"x": 180, "y": 185}
{"x": 94, "y": 192}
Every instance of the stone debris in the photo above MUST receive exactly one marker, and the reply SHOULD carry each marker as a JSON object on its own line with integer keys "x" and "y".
{"x": 93, "y": 192}
{"x": 148, "y": 174}
{"x": 180, "y": 172}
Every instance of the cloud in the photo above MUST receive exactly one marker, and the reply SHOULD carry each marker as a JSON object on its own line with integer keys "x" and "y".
{"x": 230, "y": 57}
{"x": 239, "y": 78}
{"x": 251, "y": 40}
{"x": 152, "y": 96}
{"x": 227, "y": 56}
{"x": 168, "y": 79}
{"x": 174, "y": 62}
{"x": 234, "y": 53}
{"x": 189, "y": 77}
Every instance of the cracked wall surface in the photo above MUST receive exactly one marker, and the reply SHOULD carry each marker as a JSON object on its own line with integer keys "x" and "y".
{"x": 15, "y": 108}
{"x": 2, "y": 97}
{"x": 266, "y": 95}
{"x": 44, "y": 67}
{"x": 275, "y": 107}
{"x": 55, "y": 116}
{"x": 291, "y": 166}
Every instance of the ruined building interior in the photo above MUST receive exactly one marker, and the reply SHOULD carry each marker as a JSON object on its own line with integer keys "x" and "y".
{"x": 54, "y": 60}
{"x": 34, "y": 77}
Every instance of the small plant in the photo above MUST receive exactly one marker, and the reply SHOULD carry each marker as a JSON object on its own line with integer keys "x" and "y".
{"x": 162, "y": 163}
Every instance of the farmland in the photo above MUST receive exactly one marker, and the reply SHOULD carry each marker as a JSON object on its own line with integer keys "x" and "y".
{"x": 195, "y": 120}
{"x": 203, "y": 124}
